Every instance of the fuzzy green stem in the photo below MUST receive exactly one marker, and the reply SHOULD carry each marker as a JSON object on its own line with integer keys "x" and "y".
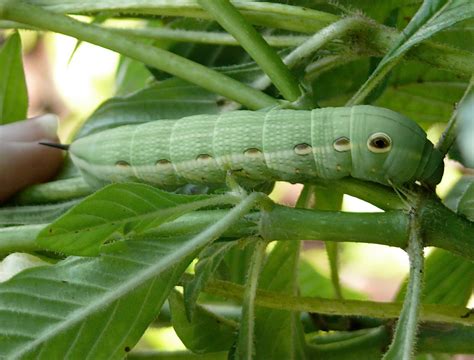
{"x": 404, "y": 341}
{"x": 53, "y": 191}
{"x": 245, "y": 344}
{"x": 234, "y": 23}
{"x": 283, "y": 223}
{"x": 159, "y": 58}
{"x": 207, "y": 37}
{"x": 281, "y": 301}
{"x": 317, "y": 41}
{"x": 260, "y": 13}
{"x": 19, "y": 238}
{"x": 449, "y": 134}
{"x": 34, "y": 214}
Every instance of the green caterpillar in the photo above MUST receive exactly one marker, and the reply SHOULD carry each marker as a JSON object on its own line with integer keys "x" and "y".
{"x": 364, "y": 142}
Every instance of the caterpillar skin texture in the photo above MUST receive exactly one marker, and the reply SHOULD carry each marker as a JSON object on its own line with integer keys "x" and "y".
{"x": 364, "y": 142}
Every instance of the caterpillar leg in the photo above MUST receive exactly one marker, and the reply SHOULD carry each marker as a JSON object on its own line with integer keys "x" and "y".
{"x": 405, "y": 195}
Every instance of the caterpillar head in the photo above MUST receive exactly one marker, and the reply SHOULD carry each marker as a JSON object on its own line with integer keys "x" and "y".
{"x": 390, "y": 148}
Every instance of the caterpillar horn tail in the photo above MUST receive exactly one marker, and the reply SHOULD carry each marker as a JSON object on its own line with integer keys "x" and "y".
{"x": 54, "y": 145}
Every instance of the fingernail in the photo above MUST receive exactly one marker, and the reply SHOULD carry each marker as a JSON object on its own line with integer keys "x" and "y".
{"x": 49, "y": 123}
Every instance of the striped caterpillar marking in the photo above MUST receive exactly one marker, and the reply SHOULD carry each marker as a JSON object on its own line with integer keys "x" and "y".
{"x": 364, "y": 142}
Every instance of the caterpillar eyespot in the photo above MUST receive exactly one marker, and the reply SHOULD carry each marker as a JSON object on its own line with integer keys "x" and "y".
{"x": 379, "y": 142}
{"x": 364, "y": 142}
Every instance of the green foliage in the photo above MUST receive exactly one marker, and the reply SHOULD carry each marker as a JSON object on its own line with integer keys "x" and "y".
{"x": 13, "y": 93}
{"x": 132, "y": 243}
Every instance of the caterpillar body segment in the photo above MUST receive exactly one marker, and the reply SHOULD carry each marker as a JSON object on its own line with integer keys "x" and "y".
{"x": 364, "y": 142}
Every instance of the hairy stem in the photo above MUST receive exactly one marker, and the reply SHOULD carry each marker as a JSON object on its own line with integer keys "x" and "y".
{"x": 245, "y": 345}
{"x": 207, "y": 37}
{"x": 232, "y": 21}
{"x": 404, "y": 341}
{"x": 277, "y": 300}
{"x": 19, "y": 238}
{"x": 314, "y": 43}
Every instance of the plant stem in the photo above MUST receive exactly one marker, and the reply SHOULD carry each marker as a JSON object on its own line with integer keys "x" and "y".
{"x": 260, "y": 13}
{"x": 281, "y": 301}
{"x": 159, "y": 58}
{"x": 34, "y": 214}
{"x": 19, "y": 238}
{"x": 206, "y": 37}
{"x": 449, "y": 134}
{"x": 245, "y": 345}
{"x": 404, "y": 340}
{"x": 283, "y": 223}
{"x": 235, "y": 24}
{"x": 317, "y": 41}
{"x": 53, "y": 191}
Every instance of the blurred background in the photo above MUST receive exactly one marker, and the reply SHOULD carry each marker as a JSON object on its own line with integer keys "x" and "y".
{"x": 71, "y": 82}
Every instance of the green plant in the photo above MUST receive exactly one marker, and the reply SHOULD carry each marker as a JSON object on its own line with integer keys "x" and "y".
{"x": 126, "y": 246}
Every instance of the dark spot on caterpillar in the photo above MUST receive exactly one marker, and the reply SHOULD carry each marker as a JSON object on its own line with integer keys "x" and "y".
{"x": 127, "y": 349}
{"x": 203, "y": 157}
{"x": 303, "y": 149}
{"x": 163, "y": 162}
{"x": 122, "y": 164}
{"x": 252, "y": 152}
{"x": 342, "y": 144}
{"x": 221, "y": 102}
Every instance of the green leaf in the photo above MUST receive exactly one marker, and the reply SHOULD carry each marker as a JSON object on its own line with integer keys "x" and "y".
{"x": 13, "y": 91}
{"x": 209, "y": 260}
{"x": 422, "y": 93}
{"x": 432, "y": 17}
{"x": 131, "y": 76}
{"x": 100, "y": 293}
{"x": 170, "y": 99}
{"x": 314, "y": 284}
{"x": 117, "y": 208}
{"x": 94, "y": 308}
{"x": 278, "y": 333}
{"x": 207, "y": 332}
{"x": 358, "y": 344}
